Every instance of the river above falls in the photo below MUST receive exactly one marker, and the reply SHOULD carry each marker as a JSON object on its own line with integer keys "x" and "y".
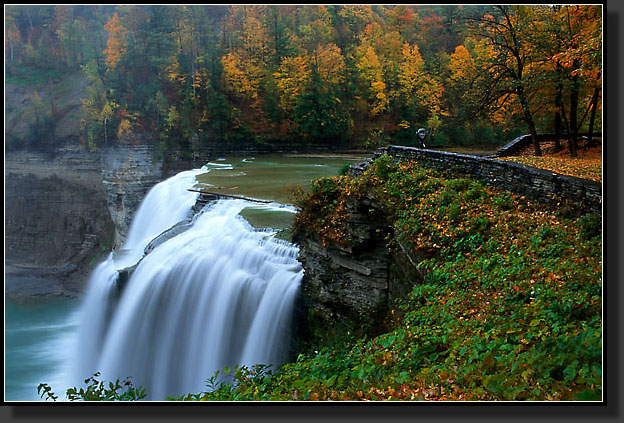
{"x": 268, "y": 178}
{"x": 40, "y": 334}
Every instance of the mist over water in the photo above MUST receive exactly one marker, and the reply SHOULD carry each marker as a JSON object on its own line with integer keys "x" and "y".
{"x": 221, "y": 293}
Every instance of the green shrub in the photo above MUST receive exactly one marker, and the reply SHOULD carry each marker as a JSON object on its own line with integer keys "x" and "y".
{"x": 590, "y": 226}
{"x": 383, "y": 166}
{"x": 344, "y": 170}
{"x": 13, "y": 143}
{"x": 97, "y": 390}
{"x": 458, "y": 184}
{"x": 40, "y": 131}
{"x": 474, "y": 193}
{"x": 454, "y": 211}
{"x": 504, "y": 201}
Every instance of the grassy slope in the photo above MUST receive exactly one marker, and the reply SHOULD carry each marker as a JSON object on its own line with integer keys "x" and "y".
{"x": 510, "y": 309}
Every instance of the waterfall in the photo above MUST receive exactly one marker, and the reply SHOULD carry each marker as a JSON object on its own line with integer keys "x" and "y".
{"x": 219, "y": 294}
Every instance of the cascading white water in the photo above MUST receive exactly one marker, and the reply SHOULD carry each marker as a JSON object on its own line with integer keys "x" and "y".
{"x": 218, "y": 294}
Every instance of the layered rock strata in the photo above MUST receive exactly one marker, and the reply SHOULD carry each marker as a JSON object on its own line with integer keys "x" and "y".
{"x": 353, "y": 285}
{"x": 128, "y": 173}
{"x": 56, "y": 219}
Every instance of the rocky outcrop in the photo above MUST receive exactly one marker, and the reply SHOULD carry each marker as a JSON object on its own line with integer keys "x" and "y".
{"x": 353, "y": 285}
{"x": 173, "y": 231}
{"x": 128, "y": 173}
{"x": 56, "y": 218}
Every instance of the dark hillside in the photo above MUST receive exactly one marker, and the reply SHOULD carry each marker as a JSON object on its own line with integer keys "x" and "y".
{"x": 43, "y": 114}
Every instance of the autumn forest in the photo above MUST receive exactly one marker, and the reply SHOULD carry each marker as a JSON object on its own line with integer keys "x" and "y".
{"x": 314, "y": 75}
{"x": 162, "y": 142}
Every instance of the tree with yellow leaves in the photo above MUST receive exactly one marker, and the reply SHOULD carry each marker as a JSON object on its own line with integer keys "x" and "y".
{"x": 292, "y": 77}
{"x": 371, "y": 72}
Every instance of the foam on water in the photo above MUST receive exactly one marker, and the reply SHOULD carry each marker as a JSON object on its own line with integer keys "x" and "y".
{"x": 220, "y": 293}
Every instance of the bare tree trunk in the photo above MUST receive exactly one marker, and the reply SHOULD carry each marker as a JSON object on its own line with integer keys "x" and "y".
{"x": 558, "y": 100}
{"x": 528, "y": 118}
{"x": 193, "y": 71}
{"x": 558, "y": 131}
{"x": 30, "y": 33}
{"x": 592, "y": 119}
{"x": 574, "y": 96}
{"x": 515, "y": 50}
{"x": 592, "y": 116}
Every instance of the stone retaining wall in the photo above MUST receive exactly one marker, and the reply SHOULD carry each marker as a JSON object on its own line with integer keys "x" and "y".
{"x": 542, "y": 185}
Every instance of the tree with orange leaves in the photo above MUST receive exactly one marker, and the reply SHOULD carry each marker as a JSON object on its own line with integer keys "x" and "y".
{"x": 116, "y": 43}
{"x": 579, "y": 60}
{"x": 512, "y": 59}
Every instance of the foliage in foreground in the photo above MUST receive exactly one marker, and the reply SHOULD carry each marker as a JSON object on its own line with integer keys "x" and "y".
{"x": 510, "y": 308}
{"x": 97, "y": 390}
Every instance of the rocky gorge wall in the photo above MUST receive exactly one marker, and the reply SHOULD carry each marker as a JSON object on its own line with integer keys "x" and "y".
{"x": 55, "y": 206}
{"x": 353, "y": 284}
{"x": 65, "y": 210}
{"x": 57, "y": 222}
{"x": 127, "y": 173}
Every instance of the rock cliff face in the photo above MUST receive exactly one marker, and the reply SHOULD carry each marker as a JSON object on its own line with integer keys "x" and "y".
{"x": 56, "y": 209}
{"x": 353, "y": 285}
{"x": 128, "y": 173}
{"x": 64, "y": 211}
{"x": 56, "y": 217}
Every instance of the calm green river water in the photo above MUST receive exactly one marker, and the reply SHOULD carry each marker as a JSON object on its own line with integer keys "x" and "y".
{"x": 40, "y": 337}
{"x": 267, "y": 178}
